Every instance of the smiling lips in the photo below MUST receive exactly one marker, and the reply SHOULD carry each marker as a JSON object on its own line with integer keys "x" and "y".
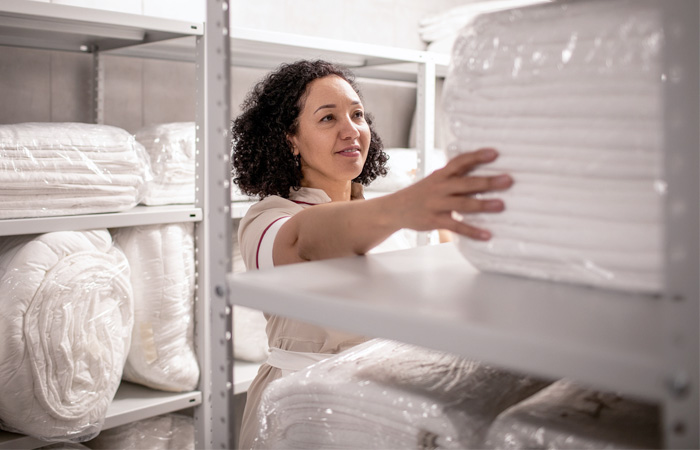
{"x": 350, "y": 151}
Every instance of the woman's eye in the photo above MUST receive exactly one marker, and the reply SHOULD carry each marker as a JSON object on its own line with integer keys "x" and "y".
{"x": 359, "y": 114}
{"x": 327, "y": 118}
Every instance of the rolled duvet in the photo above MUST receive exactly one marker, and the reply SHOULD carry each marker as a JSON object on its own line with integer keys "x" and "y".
{"x": 66, "y": 321}
{"x": 161, "y": 258}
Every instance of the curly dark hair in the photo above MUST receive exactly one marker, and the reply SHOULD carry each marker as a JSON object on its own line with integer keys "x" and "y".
{"x": 262, "y": 159}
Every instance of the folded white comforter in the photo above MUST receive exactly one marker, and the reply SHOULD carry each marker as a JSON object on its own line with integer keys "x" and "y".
{"x": 161, "y": 258}
{"x": 571, "y": 98}
{"x": 52, "y": 169}
{"x": 65, "y": 318}
{"x": 171, "y": 151}
{"x": 383, "y": 394}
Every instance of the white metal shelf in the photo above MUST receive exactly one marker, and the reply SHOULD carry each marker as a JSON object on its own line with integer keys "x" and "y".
{"x": 139, "y": 215}
{"x": 49, "y": 26}
{"x": 267, "y": 49}
{"x": 431, "y": 296}
{"x": 62, "y": 27}
{"x": 131, "y": 402}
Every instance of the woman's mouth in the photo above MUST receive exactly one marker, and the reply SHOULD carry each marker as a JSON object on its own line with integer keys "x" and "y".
{"x": 350, "y": 151}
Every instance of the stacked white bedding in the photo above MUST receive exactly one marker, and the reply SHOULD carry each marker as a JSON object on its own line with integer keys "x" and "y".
{"x": 65, "y": 320}
{"x": 51, "y": 169}
{"x": 166, "y": 432}
{"x": 569, "y": 93}
{"x": 384, "y": 394}
{"x": 568, "y": 416}
{"x": 171, "y": 152}
{"x": 161, "y": 258}
{"x": 439, "y": 30}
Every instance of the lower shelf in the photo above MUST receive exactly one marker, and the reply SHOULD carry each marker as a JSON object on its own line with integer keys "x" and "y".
{"x": 131, "y": 403}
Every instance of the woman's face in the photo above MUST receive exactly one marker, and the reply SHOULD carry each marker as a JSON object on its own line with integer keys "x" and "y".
{"x": 332, "y": 137}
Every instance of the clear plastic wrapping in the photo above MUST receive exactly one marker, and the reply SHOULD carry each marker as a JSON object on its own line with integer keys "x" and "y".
{"x": 51, "y": 169}
{"x": 568, "y": 416}
{"x": 384, "y": 394}
{"x": 166, "y": 432}
{"x": 66, "y": 317}
{"x": 171, "y": 151}
{"x": 570, "y": 94}
{"x": 161, "y": 258}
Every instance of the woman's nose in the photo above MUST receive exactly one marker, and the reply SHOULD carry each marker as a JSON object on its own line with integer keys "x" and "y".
{"x": 349, "y": 129}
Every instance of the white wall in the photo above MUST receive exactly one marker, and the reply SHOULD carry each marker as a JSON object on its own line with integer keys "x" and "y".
{"x": 382, "y": 22}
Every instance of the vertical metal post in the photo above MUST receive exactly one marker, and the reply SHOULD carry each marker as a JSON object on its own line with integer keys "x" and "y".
{"x": 214, "y": 418}
{"x": 97, "y": 94}
{"x": 682, "y": 225}
{"x": 425, "y": 123}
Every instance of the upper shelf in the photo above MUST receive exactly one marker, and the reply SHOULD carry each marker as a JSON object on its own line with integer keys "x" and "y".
{"x": 139, "y": 215}
{"x": 431, "y": 296}
{"x": 61, "y": 27}
{"x": 267, "y": 49}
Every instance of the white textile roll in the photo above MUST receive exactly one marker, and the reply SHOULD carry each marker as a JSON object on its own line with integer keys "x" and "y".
{"x": 66, "y": 321}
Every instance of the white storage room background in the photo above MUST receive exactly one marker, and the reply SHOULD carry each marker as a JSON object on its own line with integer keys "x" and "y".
{"x": 135, "y": 63}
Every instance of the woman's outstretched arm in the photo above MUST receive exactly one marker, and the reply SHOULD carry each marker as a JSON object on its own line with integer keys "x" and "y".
{"x": 354, "y": 227}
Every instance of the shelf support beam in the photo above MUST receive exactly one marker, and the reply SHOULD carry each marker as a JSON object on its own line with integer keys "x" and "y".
{"x": 681, "y": 298}
{"x": 213, "y": 237}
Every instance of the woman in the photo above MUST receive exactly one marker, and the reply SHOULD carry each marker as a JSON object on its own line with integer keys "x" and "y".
{"x": 304, "y": 140}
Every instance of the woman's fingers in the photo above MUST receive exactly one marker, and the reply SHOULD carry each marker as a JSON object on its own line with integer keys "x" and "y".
{"x": 468, "y": 205}
{"x": 467, "y": 230}
{"x": 465, "y": 162}
{"x": 478, "y": 184}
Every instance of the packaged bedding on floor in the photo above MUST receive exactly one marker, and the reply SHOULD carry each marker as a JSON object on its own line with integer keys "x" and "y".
{"x": 384, "y": 394}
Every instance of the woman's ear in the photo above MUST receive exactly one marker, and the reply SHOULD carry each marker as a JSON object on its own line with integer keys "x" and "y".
{"x": 292, "y": 145}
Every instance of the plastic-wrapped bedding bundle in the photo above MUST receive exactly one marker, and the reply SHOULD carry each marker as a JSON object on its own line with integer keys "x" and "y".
{"x": 166, "y": 432}
{"x": 383, "y": 394}
{"x": 567, "y": 416}
{"x": 570, "y": 94}
{"x": 171, "y": 151}
{"x": 53, "y": 169}
{"x": 161, "y": 258}
{"x": 65, "y": 319}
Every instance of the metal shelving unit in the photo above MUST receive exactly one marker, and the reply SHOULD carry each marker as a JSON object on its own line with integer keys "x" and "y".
{"x": 639, "y": 345}
{"x": 67, "y": 28}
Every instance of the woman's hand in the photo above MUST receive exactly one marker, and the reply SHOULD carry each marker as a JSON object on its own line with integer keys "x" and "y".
{"x": 428, "y": 204}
